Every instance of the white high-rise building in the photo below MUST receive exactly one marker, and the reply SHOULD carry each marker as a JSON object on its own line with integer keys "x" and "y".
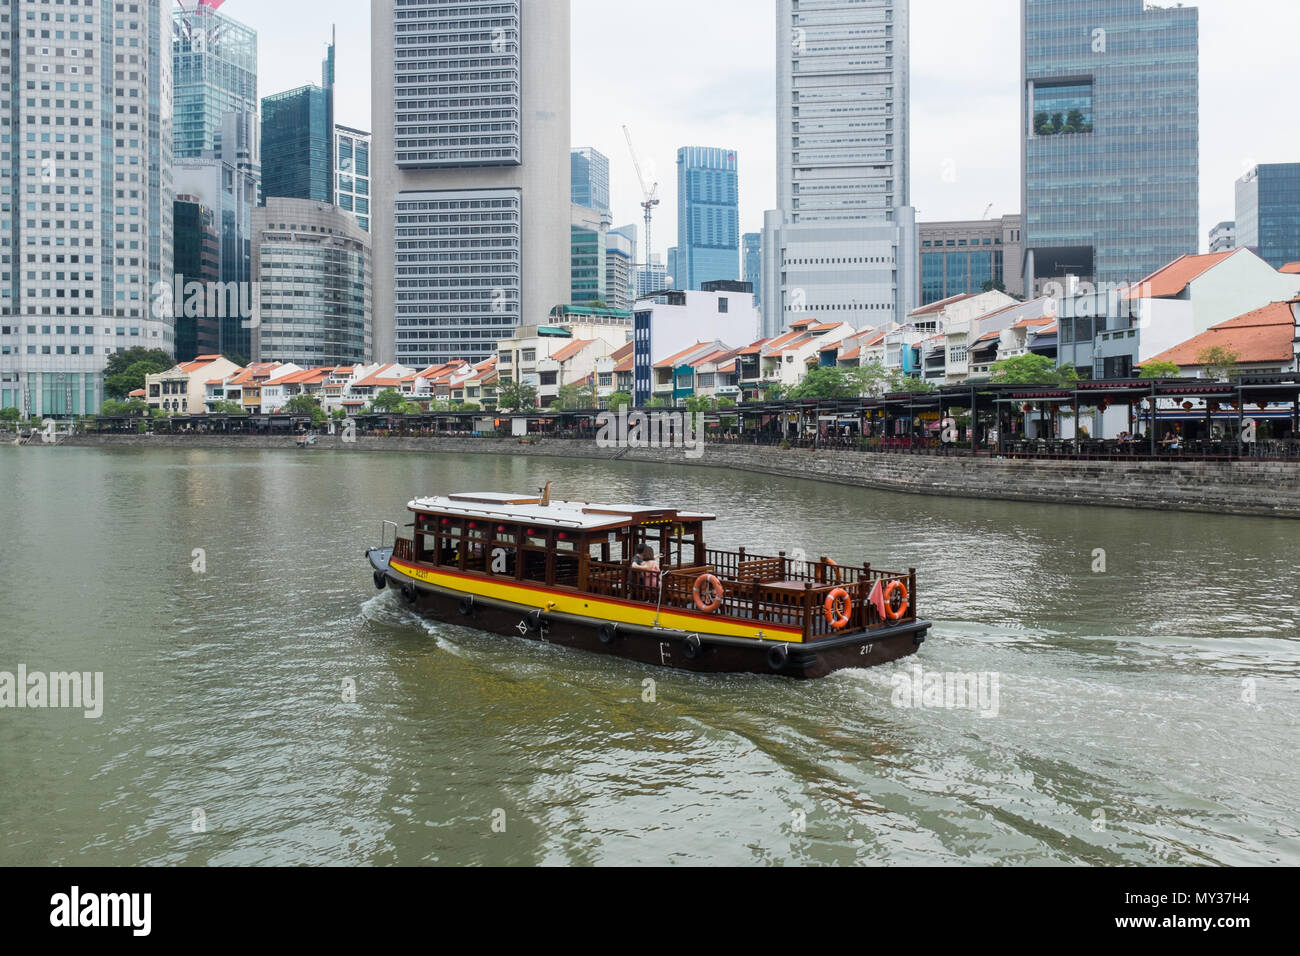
{"x": 86, "y": 255}
{"x": 841, "y": 245}
{"x": 470, "y": 173}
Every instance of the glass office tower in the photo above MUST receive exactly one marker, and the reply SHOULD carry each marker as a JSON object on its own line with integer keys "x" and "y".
{"x": 298, "y": 140}
{"x": 708, "y": 216}
{"x": 752, "y": 263}
{"x": 1110, "y": 138}
{"x": 1268, "y": 212}
{"x": 589, "y": 178}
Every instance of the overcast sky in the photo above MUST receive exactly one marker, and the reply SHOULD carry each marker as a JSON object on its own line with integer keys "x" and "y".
{"x": 701, "y": 73}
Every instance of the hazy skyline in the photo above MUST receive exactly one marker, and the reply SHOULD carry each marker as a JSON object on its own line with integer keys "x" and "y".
{"x": 693, "y": 74}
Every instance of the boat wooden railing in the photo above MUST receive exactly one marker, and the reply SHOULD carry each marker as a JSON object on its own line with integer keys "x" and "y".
{"x": 404, "y": 549}
{"x": 755, "y": 597}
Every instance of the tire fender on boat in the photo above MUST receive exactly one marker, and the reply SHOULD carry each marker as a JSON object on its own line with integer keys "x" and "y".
{"x": 381, "y": 580}
{"x": 533, "y": 621}
{"x": 693, "y": 647}
{"x": 778, "y": 657}
{"x": 608, "y": 633}
{"x": 410, "y": 593}
{"x": 467, "y": 605}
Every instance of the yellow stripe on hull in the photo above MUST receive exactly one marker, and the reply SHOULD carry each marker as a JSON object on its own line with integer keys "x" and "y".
{"x": 597, "y": 609}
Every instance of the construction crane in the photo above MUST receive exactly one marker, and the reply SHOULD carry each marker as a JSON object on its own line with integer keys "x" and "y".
{"x": 651, "y": 195}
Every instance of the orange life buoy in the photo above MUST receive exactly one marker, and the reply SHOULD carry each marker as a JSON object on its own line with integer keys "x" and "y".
{"x": 896, "y": 589}
{"x": 714, "y": 590}
{"x": 839, "y": 609}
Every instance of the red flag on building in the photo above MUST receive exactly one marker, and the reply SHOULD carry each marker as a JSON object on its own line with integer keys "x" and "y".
{"x": 211, "y": 4}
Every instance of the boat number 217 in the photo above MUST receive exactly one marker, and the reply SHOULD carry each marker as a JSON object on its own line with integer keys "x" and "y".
{"x": 865, "y": 650}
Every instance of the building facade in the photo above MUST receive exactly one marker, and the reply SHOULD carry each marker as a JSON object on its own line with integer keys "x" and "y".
{"x": 352, "y": 173}
{"x": 958, "y": 258}
{"x": 298, "y": 140}
{"x": 751, "y": 263}
{"x": 86, "y": 255}
{"x": 708, "y": 216}
{"x": 723, "y": 311}
{"x": 619, "y": 270}
{"x": 1268, "y": 212}
{"x": 315, "y": 285}
{"x": 587, "y": 266}
{"x": 471, "y": 219}
{"x": 841, "y": 245}
{"x": 589, "y": 178}
{"x": 1109, "y": 123}
{"x": 218, "y": 146}
{"x": 1223, "y": 237}
{"x": 197, "y": 257}
{"x": 214, "y": 59}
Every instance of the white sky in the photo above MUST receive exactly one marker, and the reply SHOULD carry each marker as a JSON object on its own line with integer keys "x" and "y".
{"x": 701, "y": 73}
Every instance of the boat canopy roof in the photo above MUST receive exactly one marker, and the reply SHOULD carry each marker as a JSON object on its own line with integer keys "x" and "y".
{"x": 574, "y": 515}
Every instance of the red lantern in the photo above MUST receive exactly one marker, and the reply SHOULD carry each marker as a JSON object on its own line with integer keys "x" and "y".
{"x": 1187, "y": 406}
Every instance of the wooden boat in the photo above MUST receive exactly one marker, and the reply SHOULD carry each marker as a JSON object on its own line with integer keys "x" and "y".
{"x": 561, "y": 572}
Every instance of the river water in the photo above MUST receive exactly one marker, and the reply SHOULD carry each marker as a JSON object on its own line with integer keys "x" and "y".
{"x": 1147, "y": 670}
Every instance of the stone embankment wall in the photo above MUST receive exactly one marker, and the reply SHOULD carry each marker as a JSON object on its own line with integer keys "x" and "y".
{"x": 1243, "y": 488}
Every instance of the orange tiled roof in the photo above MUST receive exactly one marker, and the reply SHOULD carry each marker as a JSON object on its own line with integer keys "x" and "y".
{"x": 309, "y": 376}
{"x": 825, "y": 327}
{"x": 850, "y": 355}
{"x": 627, "y": 365}
{"x": 934, "y": 308}
{"x": 781, "y": 342}
{"x": 1177, "y": 276}
{"x": 381, "y": 377}
{"x": 728, "y": 369}
{"x": 674, "y": 360}
{"x": 215, "y": 381}
{"x": 1034, "y": 323}
{"x": 249, "y": 375}
{"x": 138, "y": 393}
{"x": 803, "y": 324}
{"x": 624, "y": 351}
{"x": 756, "y": 348}
{"x": 717, "y": 355}
{"x": 572, "y": 349}
{"x": 1264, "y": 335}
{"x": 1291, "y": 269}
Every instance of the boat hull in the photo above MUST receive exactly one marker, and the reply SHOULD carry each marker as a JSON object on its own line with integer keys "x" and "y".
{"x": 701, "y": 653}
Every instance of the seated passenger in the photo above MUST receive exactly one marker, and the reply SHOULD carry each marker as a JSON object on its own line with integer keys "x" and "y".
{"x": 646, "y": 566}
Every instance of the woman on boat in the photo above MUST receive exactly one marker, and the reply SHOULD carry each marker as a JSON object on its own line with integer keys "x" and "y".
{"x": 647, "y": 565}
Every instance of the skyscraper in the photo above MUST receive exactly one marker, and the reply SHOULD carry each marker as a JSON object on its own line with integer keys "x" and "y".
{"x": 1109, "y": 122}
{"x": 214, "y": 60}
{"x": 86, "y": 256}
{"x": 589, "y": 178}
{"x": 751, "y": 257}
{"x": 313, "y": 266}
{"x": 197, "y": 259}
{"x": 842, "y": 243}
{"x": 298, "y": 140}
{"x": 218, "y": 158}
{"x": 587, "y": 260}
{"x": 352, "y": 173}
{"x": 708, "y": 216}
{"x": 1268, "y": 212}
{"x": 471, "y": 218}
